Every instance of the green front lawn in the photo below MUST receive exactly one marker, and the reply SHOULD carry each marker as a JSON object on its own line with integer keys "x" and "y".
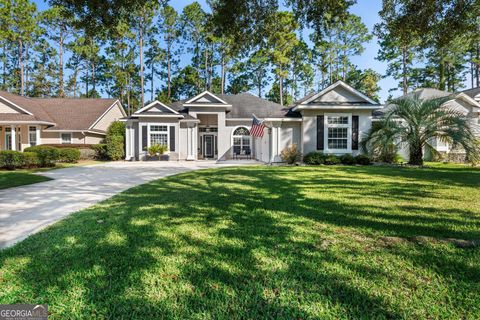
{"x": 263, "y": 242}
{"x": 9, "y": 179}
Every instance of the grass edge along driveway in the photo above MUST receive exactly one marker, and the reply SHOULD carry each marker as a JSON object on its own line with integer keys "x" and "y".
{"x": 262, "y": 242}
{"x": 10, "y": 179}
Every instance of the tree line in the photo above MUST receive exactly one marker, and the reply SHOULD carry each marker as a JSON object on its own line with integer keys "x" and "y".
{"x": 134, "y": 49}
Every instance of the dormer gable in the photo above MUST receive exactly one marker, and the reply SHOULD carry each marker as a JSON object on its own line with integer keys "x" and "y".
{"x": 206, "y": 99}
{"x": 338, "y": 95}
{"x": 156, "y": 108}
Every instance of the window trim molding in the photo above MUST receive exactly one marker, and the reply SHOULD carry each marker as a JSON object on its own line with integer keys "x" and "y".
{"x": 167, "y": 132}
{"x": 349, "y": 132}
{"x": 232, "y": 136}
{"x": 69, "y": 133}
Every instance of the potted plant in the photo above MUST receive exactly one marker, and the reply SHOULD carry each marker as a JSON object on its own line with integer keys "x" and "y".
{"x": 157, "y": 152}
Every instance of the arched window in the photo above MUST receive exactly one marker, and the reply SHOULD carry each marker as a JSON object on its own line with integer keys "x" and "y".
{"x": 242, "y": 142}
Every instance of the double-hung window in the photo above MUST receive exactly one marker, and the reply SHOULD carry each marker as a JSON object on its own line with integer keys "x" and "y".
{"x": 338, "y": 127}
{"x": 66, "y": 138}
{"x": 32, "y": 136}
{"x": 158, "y": 135}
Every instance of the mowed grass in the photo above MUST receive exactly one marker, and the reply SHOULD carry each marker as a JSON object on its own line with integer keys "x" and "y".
{"x": 9, "y": 179}
{"x": 262, "y": 243}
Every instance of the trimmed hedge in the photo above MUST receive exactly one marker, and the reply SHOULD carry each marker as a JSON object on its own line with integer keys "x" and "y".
{"x": 318, "y": 158}
{"x": 69, "y": 155}
{"x": 115, "y": 141}
{"x": 11, "y": 160}
{"x": 47, "y": 156}
{"x": 100, "y": 151}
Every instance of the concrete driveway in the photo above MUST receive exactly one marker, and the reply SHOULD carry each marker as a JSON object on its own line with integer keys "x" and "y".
{"x": 28, "y": 209}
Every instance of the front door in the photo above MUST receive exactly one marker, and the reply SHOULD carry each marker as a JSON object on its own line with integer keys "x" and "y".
{"x": 208, "y": 149}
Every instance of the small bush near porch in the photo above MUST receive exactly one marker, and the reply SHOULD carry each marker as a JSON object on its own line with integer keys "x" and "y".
{"x": 263, "y": 242}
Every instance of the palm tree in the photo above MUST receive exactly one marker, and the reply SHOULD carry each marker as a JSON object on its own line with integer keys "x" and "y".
{"x": 415, "y": 122}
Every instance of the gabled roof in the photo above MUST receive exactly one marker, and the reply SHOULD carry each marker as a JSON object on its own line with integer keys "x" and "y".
{"x": 206, "y": 98}
{"x": 338, "y": 95}
{"x": 432, "y": 93}
{"x": 156, "y": 107}
{"x": 473, "y": 93}
{"x": 60, "y": 113}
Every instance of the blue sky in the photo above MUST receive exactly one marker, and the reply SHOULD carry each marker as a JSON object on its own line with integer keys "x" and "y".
{"x": 366, "y": 9}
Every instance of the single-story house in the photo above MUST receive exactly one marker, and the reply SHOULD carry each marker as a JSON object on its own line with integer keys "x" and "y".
{"x": 466, "y": 102}
{"x": 28, "y": 122}
{"x": 217, "y": 126}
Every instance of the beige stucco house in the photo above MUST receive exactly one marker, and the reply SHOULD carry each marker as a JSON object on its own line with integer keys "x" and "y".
{"x": 210, "y": 126}
{"x": 27, "y": 122}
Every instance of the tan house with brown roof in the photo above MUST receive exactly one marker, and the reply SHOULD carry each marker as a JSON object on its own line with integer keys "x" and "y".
{"x": 27, "y": 122}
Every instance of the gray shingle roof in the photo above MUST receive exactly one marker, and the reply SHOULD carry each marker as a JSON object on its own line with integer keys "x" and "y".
{"x": 244, "y": 105}
{"x": 66, "y": 113}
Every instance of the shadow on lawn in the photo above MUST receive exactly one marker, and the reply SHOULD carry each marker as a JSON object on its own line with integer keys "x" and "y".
{"x": 207, "y": 245}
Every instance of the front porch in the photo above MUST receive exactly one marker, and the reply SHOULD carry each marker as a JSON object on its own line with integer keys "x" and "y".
{"x": 16, "y": 136}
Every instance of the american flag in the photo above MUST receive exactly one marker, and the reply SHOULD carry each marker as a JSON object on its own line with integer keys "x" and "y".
{"x": 257, "y": 128}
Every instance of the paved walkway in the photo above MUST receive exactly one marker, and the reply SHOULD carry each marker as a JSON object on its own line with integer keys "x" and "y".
{"x": 28, "y": 209}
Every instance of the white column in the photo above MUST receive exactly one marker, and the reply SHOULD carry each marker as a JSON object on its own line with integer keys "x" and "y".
{"x": 14, "y": 138}
{"x": 128, "y": 146}
{"x": 190, "y": 145}
{"x": 39, "y": 141}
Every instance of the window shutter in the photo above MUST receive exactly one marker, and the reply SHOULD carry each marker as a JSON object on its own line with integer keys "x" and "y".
{"x": 354, "y": 132}
{"x": 320, "y": 132}
{"x": 172, "y": 138}
{"x": 144, "y": 137}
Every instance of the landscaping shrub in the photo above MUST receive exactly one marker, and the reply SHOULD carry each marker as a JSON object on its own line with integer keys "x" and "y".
{"x": 347, "y": 159}
{"x": 30, "y": 160}
{"x": 332, "y": 160}
{"x": 291, "y": 154}
{"x": 10, "y": 159}
{"x": 47, "y": 156}
{"x": 115, "y": 141}
{"x": 100, "y": 151}
{"x": 69, "y": 155}
{"x": 363, "y": 160}
{"x": 315, "y": 158}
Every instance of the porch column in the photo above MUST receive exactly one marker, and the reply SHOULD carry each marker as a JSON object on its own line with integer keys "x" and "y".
{"x": 13, "y": 134}
{"x": 39, "y": 141}
{"x": 127, "y": 142}
{"x": 190, "y": 143}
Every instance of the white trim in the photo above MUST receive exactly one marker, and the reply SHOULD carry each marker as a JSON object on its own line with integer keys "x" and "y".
{"x": 149, "y": 132}
{"x": 331, "y": 87}
{"x": 468, "y": 99}
{"x": 150, "y": 105}
{"x": 144, "y": 115}
{"x": 349, "y": 132}
{"x": 201, "y": 95}
{"x": 109, "y": 108}
{"x": 232, "y": 135}
{"x": 16, "y": 105}
{"x": 71, "y": 137}
{"x": 284, "y": 119}
{"x": 36, "y": 135}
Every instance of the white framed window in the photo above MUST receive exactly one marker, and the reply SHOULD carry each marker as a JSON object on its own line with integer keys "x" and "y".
{"x": 338, "y": 133}
{"x": 66, "y": 138}
{"x": 242, "y": 141}
{"x": 32, "y": 136}
{"x": 159, "y": 134}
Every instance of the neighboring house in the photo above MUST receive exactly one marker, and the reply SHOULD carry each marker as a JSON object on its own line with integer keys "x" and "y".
{"x": 28, "y": 122}
{"x": 210, "y": 126}
{"x": 463, "y": 102}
